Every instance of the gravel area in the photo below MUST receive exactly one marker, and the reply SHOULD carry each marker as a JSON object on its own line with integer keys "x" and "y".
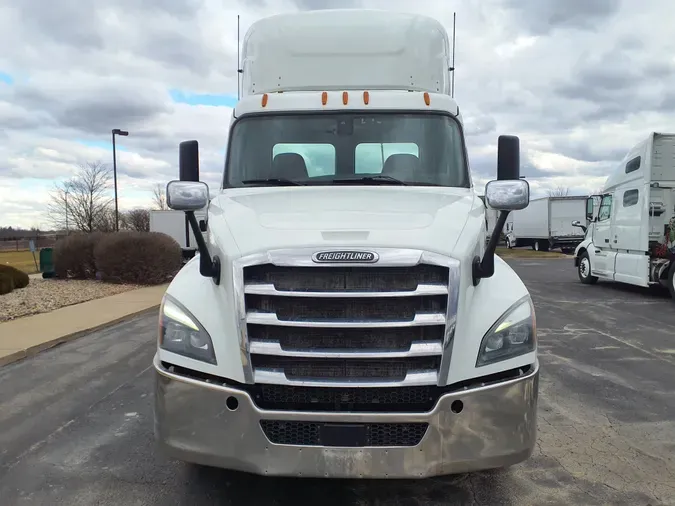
{"x": 44, "y": 295}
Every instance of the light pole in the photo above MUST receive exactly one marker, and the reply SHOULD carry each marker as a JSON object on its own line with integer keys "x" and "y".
{"x": 67, "y": 190}
{"x": 123, "y": 133}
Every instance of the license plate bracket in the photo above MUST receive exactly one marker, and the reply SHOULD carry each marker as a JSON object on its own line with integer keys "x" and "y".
{"x": 343, "y": 434}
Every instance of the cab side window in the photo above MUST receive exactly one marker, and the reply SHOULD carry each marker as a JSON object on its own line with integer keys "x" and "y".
{"x": 631, "y": 198}
{"x": 605, "y": 208}
{"x": 633, "y": 165}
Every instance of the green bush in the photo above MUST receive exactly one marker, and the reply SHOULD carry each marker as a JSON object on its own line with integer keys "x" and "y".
{"x": 74, "y": 256}
{"x": 6, "y": 283}
{"x": 19, "y": 278}
{"x": 147, "y": 258}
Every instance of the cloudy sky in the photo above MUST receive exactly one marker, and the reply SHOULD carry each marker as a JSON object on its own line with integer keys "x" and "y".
{"x": 579, "y": 81}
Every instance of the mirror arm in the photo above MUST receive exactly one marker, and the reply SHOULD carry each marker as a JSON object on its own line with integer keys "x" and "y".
{"x": 208, "y": 267}
{"x": 486, "y": 268}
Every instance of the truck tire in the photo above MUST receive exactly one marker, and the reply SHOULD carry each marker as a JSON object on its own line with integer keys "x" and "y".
{"x": 671, "y": 279}
{"x": 540, "y": 245}
{"x": 584, "y": 270}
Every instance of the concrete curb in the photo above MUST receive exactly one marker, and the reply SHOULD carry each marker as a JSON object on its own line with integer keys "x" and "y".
{"x": 35, "y": 349}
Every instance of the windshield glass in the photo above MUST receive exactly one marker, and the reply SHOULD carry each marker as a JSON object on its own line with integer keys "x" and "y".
{"x": 383, "y": 148}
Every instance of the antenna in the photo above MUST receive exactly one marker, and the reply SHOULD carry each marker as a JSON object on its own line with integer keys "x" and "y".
{"x": 239, "y": 62}
{"x": 454, "y": 22}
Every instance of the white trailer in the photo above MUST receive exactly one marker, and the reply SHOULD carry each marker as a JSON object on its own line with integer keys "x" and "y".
{"x": 547, "y": 223}
{"x": 175, "y": 225}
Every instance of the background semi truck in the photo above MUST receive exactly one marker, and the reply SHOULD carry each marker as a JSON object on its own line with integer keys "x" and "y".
{"x": 344, "y": 316}
{"x": 631, "y": 236}
{"x": 546, "y": 224}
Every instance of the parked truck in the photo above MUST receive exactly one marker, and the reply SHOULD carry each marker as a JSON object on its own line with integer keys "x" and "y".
{"x": 631, "y": 236}
{"x": 547, "y": 224}
{"x": 175, "y": 225}
{"x": 344, "y": 316}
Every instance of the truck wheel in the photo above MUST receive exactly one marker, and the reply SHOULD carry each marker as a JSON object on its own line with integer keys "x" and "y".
{"x": 540, "y": 246}
{"x": 584, "y": 270}
{"x": 509, "y": 243}
{"x": 671, "y": 279}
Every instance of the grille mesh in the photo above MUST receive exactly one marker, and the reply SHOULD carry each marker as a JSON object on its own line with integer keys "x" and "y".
{"x": 305, "y": 368}
{"x": 377, "y": 434}
{"x": 370, "y": 309}
{"x": 308, "y": 338}
{"x": 401, "y": 399}
{"x": 340, "y": 279}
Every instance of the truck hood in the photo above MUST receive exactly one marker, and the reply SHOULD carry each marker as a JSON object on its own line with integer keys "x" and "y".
{"x": 260, "y": 219}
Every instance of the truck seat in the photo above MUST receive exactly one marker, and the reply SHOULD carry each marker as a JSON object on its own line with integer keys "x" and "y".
{"x": 402, "y": 166}
{"x": 289, "y": 166}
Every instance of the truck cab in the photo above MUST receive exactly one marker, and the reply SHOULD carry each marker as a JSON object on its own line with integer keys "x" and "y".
{"x": 345, "y": 316}
{"x": 631, "y": 231}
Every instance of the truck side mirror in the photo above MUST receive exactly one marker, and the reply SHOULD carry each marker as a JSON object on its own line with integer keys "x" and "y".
{"x": 589, "y": 208}
{"x": 508, "y": 193}
{"x": 186, "y": 195}
{"x": 508, "y": 157}
{"x": 188, "y": 161}
{"x": 577, "y": 223}
{"x": 189, "y": 195}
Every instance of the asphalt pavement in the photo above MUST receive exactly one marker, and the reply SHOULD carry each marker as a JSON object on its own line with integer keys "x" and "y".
{"x": 76, "y": 420}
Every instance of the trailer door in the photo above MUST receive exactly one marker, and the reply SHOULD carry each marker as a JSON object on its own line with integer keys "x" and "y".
{"x": 563, "y": 213}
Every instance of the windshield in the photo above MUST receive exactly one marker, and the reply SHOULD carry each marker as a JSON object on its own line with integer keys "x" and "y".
{"x": 326, "y": 149}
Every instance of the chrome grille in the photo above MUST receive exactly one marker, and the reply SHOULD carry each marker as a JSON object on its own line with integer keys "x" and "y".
{"x": 337, "y": 326}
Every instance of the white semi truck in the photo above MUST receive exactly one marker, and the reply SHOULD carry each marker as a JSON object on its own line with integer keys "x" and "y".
{"x": 631, "y": 236}
{"x": 344, "y": 317}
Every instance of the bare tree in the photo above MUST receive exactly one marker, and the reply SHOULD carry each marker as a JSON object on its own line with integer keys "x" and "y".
{"x": 82, "y": 203}
{"x": 137, "y": 219}
{"x": 106, "y": 220}
{"x": 560, "y": 191}
{"x": 159, "y": 197}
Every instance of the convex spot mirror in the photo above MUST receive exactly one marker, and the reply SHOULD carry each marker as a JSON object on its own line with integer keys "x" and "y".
{"x": 187, "y": 195}
{"x": 576, "y": 223}
{"x": 508, "y": 195}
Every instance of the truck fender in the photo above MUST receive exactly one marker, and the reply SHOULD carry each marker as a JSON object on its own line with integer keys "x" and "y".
{"x": 585, "y": 245}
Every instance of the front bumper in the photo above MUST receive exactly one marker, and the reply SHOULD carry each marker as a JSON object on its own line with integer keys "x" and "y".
{"x": 496, "y": 428}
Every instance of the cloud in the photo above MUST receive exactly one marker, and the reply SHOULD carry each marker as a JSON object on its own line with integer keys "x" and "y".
{"x": 580, "y": 83}
{"x": 544, "y": 16}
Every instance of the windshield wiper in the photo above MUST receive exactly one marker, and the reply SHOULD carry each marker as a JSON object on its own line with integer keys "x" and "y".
{"x": 274, "y": 181}
{"x": 379, "y": 178}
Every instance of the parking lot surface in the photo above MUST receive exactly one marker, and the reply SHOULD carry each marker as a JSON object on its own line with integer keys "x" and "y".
{"x": 76, "y": 421}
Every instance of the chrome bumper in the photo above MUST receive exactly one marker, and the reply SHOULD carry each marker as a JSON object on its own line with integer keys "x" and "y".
{"x": 496, "y": 428}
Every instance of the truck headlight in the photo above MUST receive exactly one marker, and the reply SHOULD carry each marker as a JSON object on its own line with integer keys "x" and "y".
{"x": 181, "y": 333}
{"x": 514, "y": 334}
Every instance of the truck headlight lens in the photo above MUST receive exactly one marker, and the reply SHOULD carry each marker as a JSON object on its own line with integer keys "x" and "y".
{"x": 514, "y": 334}
{"x": 181, "y": 333}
